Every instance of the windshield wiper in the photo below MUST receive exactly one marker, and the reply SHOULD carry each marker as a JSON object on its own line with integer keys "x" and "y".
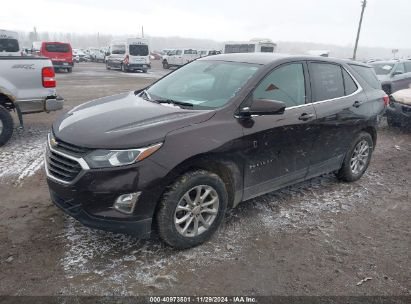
{"x": 175, "y": 102}
{"x": 144, "y": 92}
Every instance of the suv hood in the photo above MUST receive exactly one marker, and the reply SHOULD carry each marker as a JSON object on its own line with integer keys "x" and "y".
{"x": 123, "y": 121}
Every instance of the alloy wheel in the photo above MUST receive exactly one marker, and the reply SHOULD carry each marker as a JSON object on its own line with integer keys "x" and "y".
{"x": 196, "y": 211}
{"x": 359, "y": 157}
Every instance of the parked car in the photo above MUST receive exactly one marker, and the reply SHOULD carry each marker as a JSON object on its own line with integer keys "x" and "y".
{"x": 79, "y": 55}
{"x": 27, "y": 85}
{"x": 220, "y": 130}
{"x": 204, "y": 53}
{"x": 131, "y": 55}
{"x": 394, "y": 74}
{"x": 9, "y": 44}
{"x": 399, "y": 110}
{"x": 60, "y": 53}
{"x": 179, "y": 57}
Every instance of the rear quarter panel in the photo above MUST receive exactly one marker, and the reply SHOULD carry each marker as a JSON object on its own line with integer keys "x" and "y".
{"x": 21, "y": 78}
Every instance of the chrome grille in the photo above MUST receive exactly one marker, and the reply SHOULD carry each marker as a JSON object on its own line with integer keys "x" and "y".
{"x": 70, "y": 149}
{"x": 61, "y": 167}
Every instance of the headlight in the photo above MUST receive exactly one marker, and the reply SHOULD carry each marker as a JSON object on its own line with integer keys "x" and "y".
{"x": 116, "y": 158}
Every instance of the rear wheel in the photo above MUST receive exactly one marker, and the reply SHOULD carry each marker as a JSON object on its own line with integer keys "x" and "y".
{"x": 69, "y": 70}
{"x": 357, "y": 159}
{"x": 6, "y": 126}
{"x": 144, "y": 71}
{"x": 192, "y": 209}
{"x": 166, "y": 65}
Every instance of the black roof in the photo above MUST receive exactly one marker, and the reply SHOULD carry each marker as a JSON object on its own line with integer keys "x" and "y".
{"x": 270, "y": 58}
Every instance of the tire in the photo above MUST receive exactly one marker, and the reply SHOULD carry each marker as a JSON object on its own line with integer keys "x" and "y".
{"x": 349, "y": 172}
{"x": 144, "y": 71}
{"x": 6, "y": 126}
{"x": 124, "y": 69}
{"x": 166, "y": 65}
{"x": 194, "y": 182}
{"x": 107, "y": 66}
{"x": 69, "y": 70}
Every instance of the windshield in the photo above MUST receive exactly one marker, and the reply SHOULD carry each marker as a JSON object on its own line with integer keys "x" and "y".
{"x": 382, "y": 68}
{"x": 138, "y": 50}
{"x": 267, "y": 49}
{"x": 204, "y": 84}
{"x": 9, "y": 45}
{"x": 118, "y": 49}
{"x": 57, "y": 48}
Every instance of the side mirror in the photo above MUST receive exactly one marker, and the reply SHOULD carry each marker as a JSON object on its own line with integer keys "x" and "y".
{"x": 263, "y": 107}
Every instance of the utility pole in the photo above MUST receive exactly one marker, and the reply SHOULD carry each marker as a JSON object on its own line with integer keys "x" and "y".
{"x": 142, "y": 32}
{"x": 364, "y": 4}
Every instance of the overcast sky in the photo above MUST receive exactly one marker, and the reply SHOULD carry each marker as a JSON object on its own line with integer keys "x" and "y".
{"x": 387, "y": 23}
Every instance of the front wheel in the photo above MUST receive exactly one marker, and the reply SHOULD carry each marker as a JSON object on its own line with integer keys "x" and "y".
{"x": 6, "y": 126}
{"x": 357, "y": 159}
{"x": 166, "y": 65}
{"x": 192, "y": 209}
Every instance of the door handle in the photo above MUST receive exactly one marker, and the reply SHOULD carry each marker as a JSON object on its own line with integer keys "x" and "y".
{"x": 306, "y": 116}
{"x": 357, "y": 104}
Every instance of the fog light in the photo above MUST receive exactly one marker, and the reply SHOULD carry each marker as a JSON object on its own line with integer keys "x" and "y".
{"x": 125, "y": 203}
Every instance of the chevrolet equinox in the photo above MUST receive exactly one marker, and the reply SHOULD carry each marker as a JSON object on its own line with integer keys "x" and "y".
{"x": 174, "y": 156}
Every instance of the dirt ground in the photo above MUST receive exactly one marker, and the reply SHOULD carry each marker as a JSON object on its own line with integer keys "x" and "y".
{"x": 320, "y": 237}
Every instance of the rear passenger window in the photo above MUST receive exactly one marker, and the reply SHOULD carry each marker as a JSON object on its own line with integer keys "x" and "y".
{"x": 327, "y": 81}
{"x": 285, "y": 83}
{"x": 349, "y": 84}
{"x": 368, "y": 74}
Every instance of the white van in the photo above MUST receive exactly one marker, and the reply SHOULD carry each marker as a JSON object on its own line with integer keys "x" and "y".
{"x": 131, "y": 55}
{"x": 252, "y": 46}
{"x": 9, "y": 44}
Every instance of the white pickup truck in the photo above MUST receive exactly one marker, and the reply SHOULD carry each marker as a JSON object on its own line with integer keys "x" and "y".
{"x": 179, "y": 57}
{"x": 27, "y": 85}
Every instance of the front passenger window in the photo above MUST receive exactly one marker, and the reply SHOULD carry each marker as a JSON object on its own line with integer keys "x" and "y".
{"x": 286, "y": 84}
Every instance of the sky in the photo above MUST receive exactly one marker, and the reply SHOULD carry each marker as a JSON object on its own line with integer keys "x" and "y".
{"x": 387, "y": 23}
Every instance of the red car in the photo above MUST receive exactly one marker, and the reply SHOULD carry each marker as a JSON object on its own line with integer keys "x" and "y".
{"x": 60, "y": 54}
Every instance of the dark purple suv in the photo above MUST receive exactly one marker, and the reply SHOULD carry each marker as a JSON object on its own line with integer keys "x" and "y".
{"x": 220, "y": 130}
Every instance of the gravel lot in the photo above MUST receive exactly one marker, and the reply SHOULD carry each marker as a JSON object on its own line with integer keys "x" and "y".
{"x": 320, "y": 237}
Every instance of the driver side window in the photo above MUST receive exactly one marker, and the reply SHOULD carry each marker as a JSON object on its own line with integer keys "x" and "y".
{"x": 286, "y": 84}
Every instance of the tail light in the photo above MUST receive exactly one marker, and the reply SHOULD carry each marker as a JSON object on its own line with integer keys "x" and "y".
{"x": 126, "y": 60}
{"x": 48, "y": 77}
{"x": 386, "y": 100}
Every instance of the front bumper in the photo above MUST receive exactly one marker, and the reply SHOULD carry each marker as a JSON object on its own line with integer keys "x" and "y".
{"x": 90, "y": 196}
{"x": 399, "y": 112}
{"x": 141, "y": 228}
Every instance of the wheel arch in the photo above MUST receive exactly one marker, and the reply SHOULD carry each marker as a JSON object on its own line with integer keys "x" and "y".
{"x": 373, "y": 132}
{"x": 6, "y": 101}
{"x": 228, "y": 170}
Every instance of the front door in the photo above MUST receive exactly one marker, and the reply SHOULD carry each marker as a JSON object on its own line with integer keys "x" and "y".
{"x": 278, "y": 146}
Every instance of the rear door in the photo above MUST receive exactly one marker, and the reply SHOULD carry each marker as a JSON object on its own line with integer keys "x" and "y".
{"x": 341, "y": 106}
{"x": 279, "y": 145}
